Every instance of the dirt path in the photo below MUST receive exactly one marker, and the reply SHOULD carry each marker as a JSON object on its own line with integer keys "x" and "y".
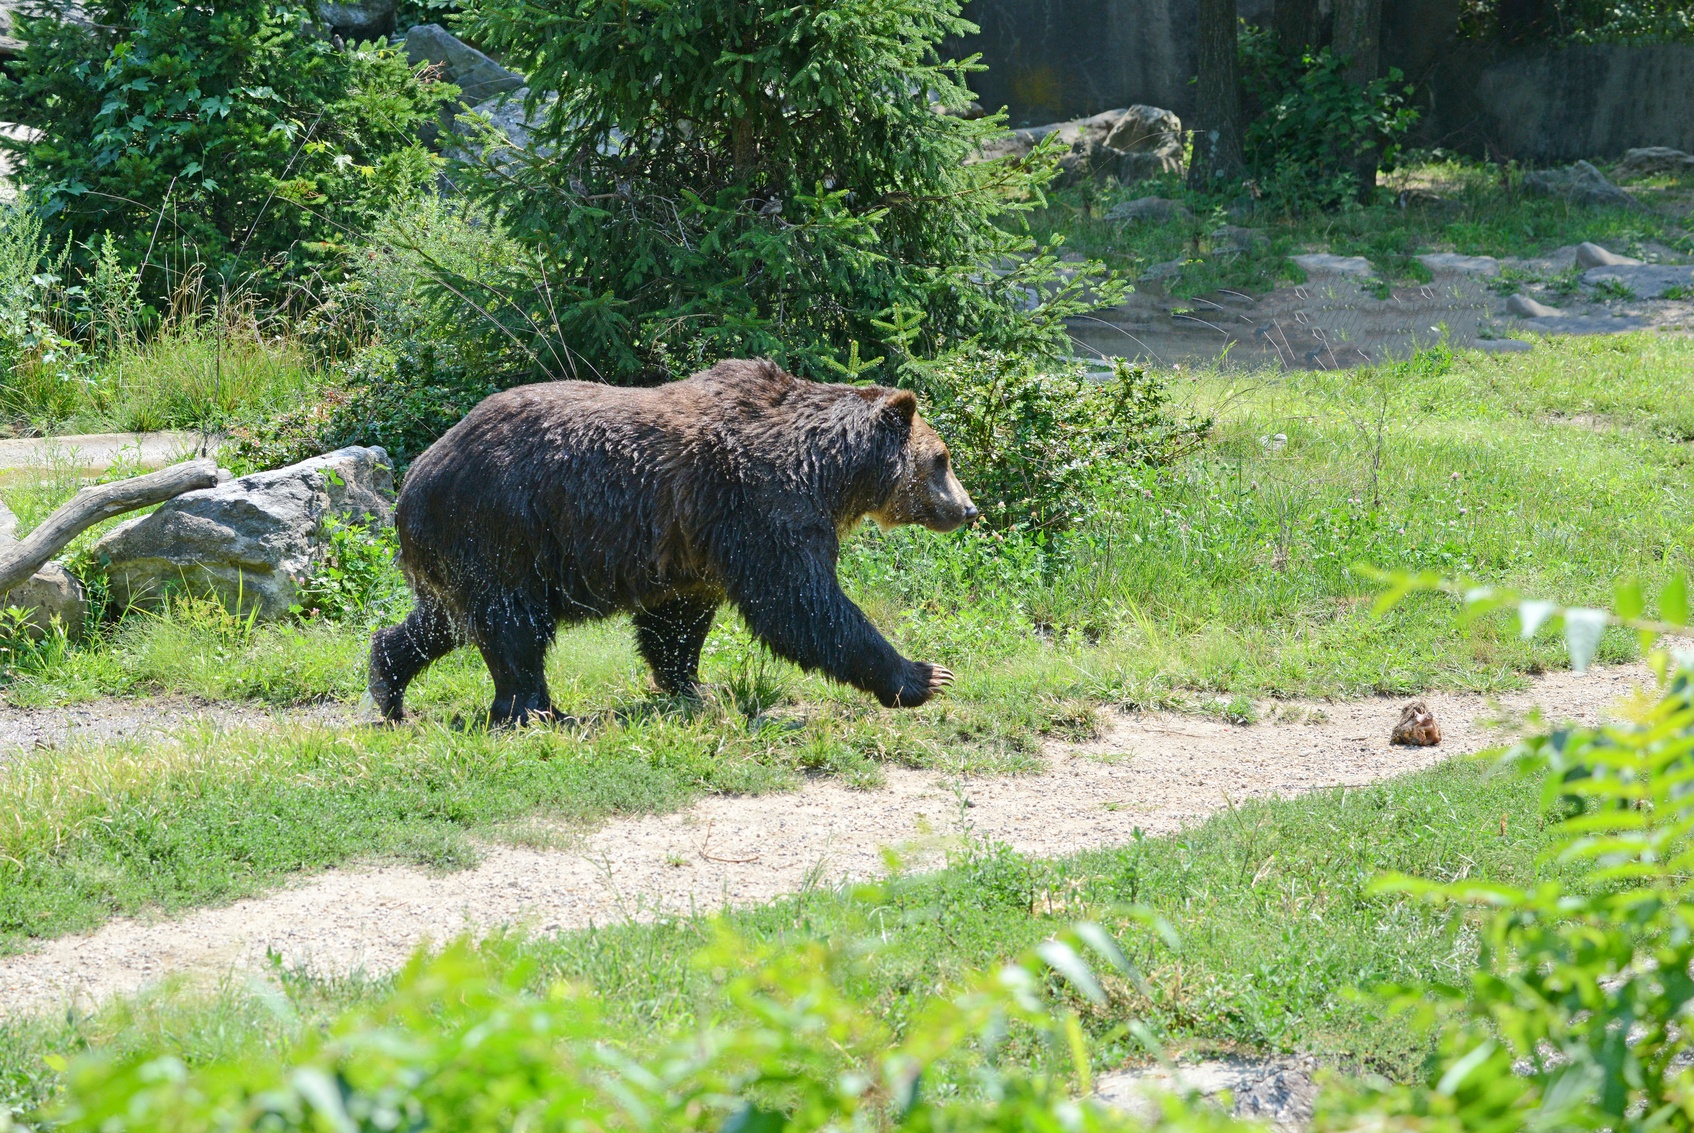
{"x": 109, "y": 720}
{"x": 1158, "y": 773}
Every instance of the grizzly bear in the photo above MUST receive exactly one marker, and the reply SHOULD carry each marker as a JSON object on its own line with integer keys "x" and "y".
{"x": 564, "y": 501}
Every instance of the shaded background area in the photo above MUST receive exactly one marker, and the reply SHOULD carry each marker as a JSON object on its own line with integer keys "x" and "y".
{"x": 1507, "y": 95}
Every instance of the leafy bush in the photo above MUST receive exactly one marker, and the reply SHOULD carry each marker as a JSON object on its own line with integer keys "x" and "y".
{"x": 749, "y": 177}
{"x": 1034, "y": 440}
{"x": 357, "y": 579}
{"x": 224, "y": 137}
{"x": 1309, "y": 125}
{"x": 1577, "y": 1011}
{"x": 32, "y": 348}
{"x": 459, "y": 1045}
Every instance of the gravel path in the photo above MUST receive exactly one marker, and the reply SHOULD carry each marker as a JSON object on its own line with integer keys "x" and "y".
{"x": 1155, "y": 772}
{"x": 109, "y": 720}
{"x": 96, "y": 452}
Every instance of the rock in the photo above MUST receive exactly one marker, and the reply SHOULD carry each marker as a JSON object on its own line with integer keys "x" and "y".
{"x": 1580, "y": 183}
{"x": 478, "y": 77}
{"x": 1650, "y": 160}
{"x": 1278, "y": 1092}
{"x": 1593, "y": 256}
{"x": 1503, "y": 346}
{"x": 1322, "y": 263}
{"x": 1417, "y": 726}
{"x": 1526, "y": 308}
{"x": 1585, "y": 324}
{"x": 50, "y": 593}
{"x": 1161, "y": 275}
{"x": 1239, "y": 240}
{"x": 1149, "y": 208}
{"x": 359, "y": 22}
{"x": 1131, "y": 144}
{"x": 1461, "y": 265}
{"x": 1645, "y": 281}
{"x": 249, "y": 541}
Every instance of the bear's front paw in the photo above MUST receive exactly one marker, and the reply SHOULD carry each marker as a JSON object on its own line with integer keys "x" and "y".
{"x": 922, "y": 681}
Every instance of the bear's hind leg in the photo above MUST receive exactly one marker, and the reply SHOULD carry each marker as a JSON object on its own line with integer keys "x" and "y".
{"x": 670, "y": 638}
{"x": 399, "y": 653}
{"x": 513, "y": 636}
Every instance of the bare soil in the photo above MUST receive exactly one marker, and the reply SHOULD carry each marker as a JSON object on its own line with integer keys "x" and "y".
{"x": 110, "y": 720}
{"x": 1154, "y": 772}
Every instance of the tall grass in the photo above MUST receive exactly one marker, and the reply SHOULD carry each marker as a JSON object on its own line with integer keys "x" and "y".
{"x": 193, "y": 374}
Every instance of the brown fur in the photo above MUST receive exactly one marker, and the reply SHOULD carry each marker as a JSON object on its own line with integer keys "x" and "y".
{"x": 566, "y": 501}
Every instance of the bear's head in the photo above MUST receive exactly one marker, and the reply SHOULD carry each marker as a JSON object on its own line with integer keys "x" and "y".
{"x": 928, "y": 493}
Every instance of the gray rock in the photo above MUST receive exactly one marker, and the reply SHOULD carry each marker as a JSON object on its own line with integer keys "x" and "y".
{"x": 1460, "y": 265}
{"x": 1580, "y": 183}
{"x": 1645, "y": 281}
{"x": 1585, "y": 324}
{"x": 1131, "y": 144}
{"x": 1526, "y": 308}
{"x": 1239, "y": 240}
{"x": 478, "y": 77}
{"x": 50, "y": 594}
{"x": 1322, "y": 263}
{"x": 1649, "y": 160}
{"x": 1280, "y": 1092}
{"x": 1503, "y": 346}
{"x": 1593, "y": 256}
{"x": 250, "y": 541}
{"x": 1157, "y": 209}
{"x": 358, "y": 22}
{"x": 1162, "y": 274}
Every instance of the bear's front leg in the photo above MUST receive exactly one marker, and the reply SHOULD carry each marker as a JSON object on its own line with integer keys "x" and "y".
{"x": 670, "y": 637}
{"x": 794, "y": 604}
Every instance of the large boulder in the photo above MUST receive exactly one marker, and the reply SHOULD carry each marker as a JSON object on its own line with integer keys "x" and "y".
{"x": 360, "y": 21}
{"x": 249, "y": 541}
{"x": 1129, "y": 144}
{"x": 478, "y": 77}
{"x": 1649, "y": 160}
{"x": 51, "y": 594}
{"x": 1580, "y": 184}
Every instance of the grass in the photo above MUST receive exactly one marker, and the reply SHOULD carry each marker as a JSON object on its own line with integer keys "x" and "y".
{"x": 1280, "y": 937}
{"x": 1430, "y": 205}
{"x": 193, "y": 374}
{"x": 1207, "y": 587}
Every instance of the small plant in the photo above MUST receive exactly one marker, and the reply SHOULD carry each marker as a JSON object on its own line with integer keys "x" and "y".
{"x": 356, "y": 580}
{"x": 1613, "y": 289}
{"x": 1030, "y": 440}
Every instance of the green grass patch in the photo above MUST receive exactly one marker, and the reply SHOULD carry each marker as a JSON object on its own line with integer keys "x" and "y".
{"x": 1280, "y": 941}
{"x": 1429, "y": 206}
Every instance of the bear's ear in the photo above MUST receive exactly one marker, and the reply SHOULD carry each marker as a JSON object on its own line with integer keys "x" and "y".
{"x": 903, "y": 402}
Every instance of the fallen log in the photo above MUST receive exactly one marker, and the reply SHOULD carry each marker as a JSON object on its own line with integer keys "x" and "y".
{"x": 89, "y": 506}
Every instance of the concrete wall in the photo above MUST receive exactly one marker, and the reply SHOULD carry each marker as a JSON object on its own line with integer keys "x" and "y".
{"x": 1591, "y": 101}
{"x": 1055, "y": 59}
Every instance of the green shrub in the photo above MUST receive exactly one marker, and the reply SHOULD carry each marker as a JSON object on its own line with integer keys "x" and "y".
{"x": 357, "y": 579}
{"x": 1034, "y": 441}
{"x": 220, "y": 137}
{"x": 1309, "y": 125}
{"x": 460, "y": 1045}
{"x": 726, "y": 178}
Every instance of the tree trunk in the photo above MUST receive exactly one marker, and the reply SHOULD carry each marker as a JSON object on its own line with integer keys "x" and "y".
{"x": 92, "y": 504}
{"x": 1358, "y": 35}
{"x": 1296, "y": 26}
{"x": 1217, "y": 125}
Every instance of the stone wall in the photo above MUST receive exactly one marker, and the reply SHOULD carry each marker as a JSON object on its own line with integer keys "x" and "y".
{"x": 1050, "y": 60}
{"x": 1591, "y": 101}
{"x": 1057, "y": 59}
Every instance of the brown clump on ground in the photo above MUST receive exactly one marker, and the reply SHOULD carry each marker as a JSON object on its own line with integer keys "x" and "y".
{"x": 1417, "y": 726}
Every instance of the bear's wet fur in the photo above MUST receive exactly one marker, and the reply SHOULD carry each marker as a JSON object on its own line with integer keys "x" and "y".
{"x": 560, "y": 502}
